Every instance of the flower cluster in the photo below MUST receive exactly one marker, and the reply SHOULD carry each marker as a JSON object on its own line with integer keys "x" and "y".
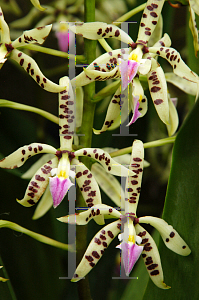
{"x": 62, "y": 168}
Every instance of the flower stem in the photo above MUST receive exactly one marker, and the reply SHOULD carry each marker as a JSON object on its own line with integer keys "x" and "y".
{"x": 157, "y": 143}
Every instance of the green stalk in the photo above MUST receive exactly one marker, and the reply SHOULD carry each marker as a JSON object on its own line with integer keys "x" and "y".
{"x": 85, "y": 141}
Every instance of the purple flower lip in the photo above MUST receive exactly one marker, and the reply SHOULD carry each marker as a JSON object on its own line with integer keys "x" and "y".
{"x": 130, "y": 254}
{"x": 59, "y": 188}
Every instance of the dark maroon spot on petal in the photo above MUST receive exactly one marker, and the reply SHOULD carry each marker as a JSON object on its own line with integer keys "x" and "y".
{"x": 155, "y": 272}
{"x": 142, "y": 24}
{"x": 154, "y": 22}
{"x": 183, "y": 247}
{"x": 144, "y": 15}
{"x": 31, "y": 202}
{"x": 134, "y": 182}
{"x": 38, "y": 78}
{"x": 21, "y": 62}
{"x": 97, "y": 241}
{"x": 147, "y": 247}
{"x": 110, "y": 210}
{"x": 149, "y": 7}
{"x": 89, "y": 258}
{"x": 110, "y": 234}
{"x": 143, "y": 255}
{"x": 117, "y": 33}
{"x": 158, "y": 101}
{"x": 144, "y": 241}
{"x": 152, "y": 267}
{"x": 153, "y": 14}
{"x": 155, "y": 89}
{"x": 172, "y": 234}
{"x": 39, "y": 178}
{"x": 104, "y": 244}
{"x": 95, "y": 254}
{"x": 142, "y": 233}
{"x": 102, "y": 237}
{"x": 137, "y": 159}
{"x": 92, "y": 264}
{"x": 20, "y": 54}
{"x": 148, "y": 261}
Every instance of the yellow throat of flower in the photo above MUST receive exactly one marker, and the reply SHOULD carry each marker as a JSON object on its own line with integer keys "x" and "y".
{"x": 131, "y": 239}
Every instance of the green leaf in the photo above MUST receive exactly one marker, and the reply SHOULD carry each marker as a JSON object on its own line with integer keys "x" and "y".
{"x": 181, "y": 211}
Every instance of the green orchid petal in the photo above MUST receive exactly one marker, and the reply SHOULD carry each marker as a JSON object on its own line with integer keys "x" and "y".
{"x": 170, "y": 237}
{"x": 133, "y": 183}
{"x": 19, "y": 157}
{"x": 113, "y": 111}
{"x": 175, "y": 60}
{"x": 194, "y": 30}
{"x": 30, "y": 172}
{"x": 104, "y": 63}
{"x": 3, "y": 53}
{"x": 173, "y": 118}
{"x": 109, "y": 184}
{"x": 98, "y": 30}
{"x": 151, "y": 257}
{"x": 66, "y": 114}
{"x": 45, "y": 203}
{"x": 105, "y": 160}
{"x": 149, "y": 20}
{"x": 36, "y": 35}
{"x": 38, "y": 183}
{"x": 4, "y": 29}
{"x": 158, "y": 91}
{"x": 89, "y": 188}
{"x": 95, "y": 250}
{"x": 31, "y": 67}
{"x": 79, "y": 105}
{"x": 93, "y": 213}
{"x": 186, "y": 86}
{"x": 37, "y": 4}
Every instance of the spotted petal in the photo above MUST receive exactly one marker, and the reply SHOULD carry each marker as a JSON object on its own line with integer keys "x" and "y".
{"x": 36, "y": 35}
{"x": 130, "y": 254}
{"x": 105, "y": 63}
{"x": 38, "y": 184}
{"x": 175, "y": 60}
{"x": 89, "y": 188}
{"x": 31, "y": 67}
{"x": 158, "y": 90}
{"x": 18, "y": 158}
{"x": 151, "y": 257}
{"x": 149, "y": 20}
{"x": 102, "y": 76}
{"x": 94, "y": 212}
{"x": 59, "y": 187}
{"x": 105, "y": 160}
{"x": 133, "y": 184}
{"x": 170, "y": 237}
{"x": 98, "y": 30}
{"x": 95, "y": 250}
{"x": 66, "y": 114}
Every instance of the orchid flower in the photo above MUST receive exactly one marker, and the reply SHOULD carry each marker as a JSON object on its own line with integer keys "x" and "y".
{"x": 135, "y": 240}
{"x": 129, "y": 63}
{"x": 57, "y": 171}
{"x": 9, "y": 50}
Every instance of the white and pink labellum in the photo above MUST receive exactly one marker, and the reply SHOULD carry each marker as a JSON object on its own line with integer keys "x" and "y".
{"x": 35, "y": 35}
{"x": 31, "y": 67}
{"x": 59, "y": 187}
{"x": 158, "y": 91}
{"x": 38, "y": 183}
{"x": 151, "y": 257}
{"x": 63, "y": 40}
{"x": 105, "y": 160}
{"x": 93, "y": 213}
{"x": 95, "y": 250}
{"x": 149, "y": 20}
{"x": 19, "y": 157}
{"x": 130, "y": 254}
{"x": 128, "y": 70}
{"x": 104, "y": 64}
{"x": 170, "y": 237}
{"x": 98, "y": 30}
